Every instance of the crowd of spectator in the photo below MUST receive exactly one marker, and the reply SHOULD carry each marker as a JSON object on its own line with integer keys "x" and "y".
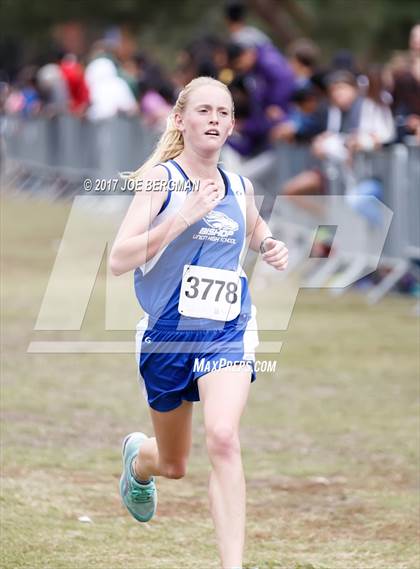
{"x": 279, "y": 96}
{"x": 335, "y": 109}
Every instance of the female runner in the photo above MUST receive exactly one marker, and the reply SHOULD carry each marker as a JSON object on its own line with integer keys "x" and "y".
{"x": 196, "y": 341}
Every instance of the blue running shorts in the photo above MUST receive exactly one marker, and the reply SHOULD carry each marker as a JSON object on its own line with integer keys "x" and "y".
{"x": 169, "y": 360}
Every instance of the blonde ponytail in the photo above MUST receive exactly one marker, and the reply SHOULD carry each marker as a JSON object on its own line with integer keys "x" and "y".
{"x": 171, "y": 143}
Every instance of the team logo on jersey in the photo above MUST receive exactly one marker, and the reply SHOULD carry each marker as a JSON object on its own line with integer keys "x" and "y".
{"x": 220, "y": 221}
{"x": 220, "y": 228}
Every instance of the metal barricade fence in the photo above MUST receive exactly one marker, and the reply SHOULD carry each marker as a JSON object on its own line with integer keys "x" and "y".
{"x": 410, "y": 203}
{"x": 75, "y": 147}
{"x": 72, "y": 149}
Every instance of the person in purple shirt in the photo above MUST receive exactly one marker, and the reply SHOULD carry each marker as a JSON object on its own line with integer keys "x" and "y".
{"x": 269, "y": 82}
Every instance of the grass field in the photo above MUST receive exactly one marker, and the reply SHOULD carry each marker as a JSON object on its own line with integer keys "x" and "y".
{"x": 330, "y": 441}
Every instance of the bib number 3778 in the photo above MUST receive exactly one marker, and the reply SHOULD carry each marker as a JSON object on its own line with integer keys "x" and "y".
{"x": 210, "y": 293}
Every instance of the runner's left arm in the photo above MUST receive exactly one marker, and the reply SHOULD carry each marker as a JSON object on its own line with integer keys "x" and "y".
{"x": 275, "y": 252}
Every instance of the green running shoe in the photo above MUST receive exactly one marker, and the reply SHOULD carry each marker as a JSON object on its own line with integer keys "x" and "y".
{"x": 139, "y": 499}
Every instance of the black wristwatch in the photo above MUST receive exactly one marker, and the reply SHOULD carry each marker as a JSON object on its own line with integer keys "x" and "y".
{"x": 262, "y": 248}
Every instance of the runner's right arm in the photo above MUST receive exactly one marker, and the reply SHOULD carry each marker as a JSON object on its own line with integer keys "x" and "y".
{"x": 135, "y": 243}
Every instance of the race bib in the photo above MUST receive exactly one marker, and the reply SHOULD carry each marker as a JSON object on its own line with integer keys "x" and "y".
{"x": 210, "y": 293}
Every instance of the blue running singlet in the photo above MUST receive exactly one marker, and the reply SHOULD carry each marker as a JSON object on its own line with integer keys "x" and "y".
{"x": 174, "y": 346}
